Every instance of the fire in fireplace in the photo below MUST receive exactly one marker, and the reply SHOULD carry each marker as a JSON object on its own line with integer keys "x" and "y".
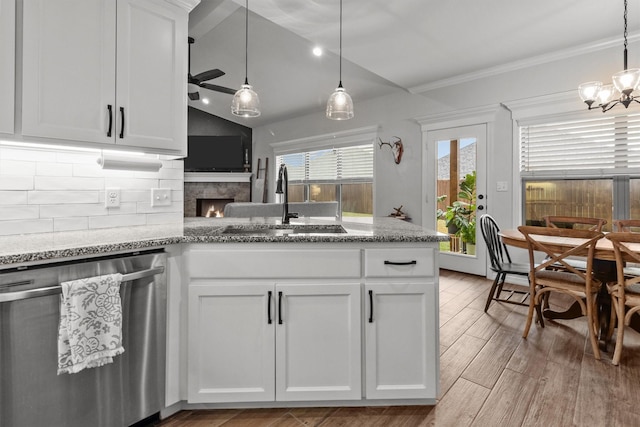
{"x": 211, "y": 208}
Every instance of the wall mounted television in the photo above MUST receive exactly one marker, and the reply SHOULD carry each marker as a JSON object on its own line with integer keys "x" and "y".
{"x": 214, "y": 154}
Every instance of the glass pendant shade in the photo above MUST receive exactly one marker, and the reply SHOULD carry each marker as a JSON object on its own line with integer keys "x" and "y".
{"x": 340, "y": 105}
{"x": 245, "y": 102}
{"x": 627, "y": 81}
{"x": 589, "y": 91}
{"x": 607, "y": 94}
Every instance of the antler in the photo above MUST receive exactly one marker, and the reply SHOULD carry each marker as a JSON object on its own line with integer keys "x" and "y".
{"x": 396, "y": 148}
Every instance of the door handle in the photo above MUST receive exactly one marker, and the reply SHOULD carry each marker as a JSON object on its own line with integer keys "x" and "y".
{"x": 110, "y": 109}
{"x": 370, "y": 306}
{"x": 121, "y": 122}
{"x": 269, "y": 294}
{"x": 280, "y": 308}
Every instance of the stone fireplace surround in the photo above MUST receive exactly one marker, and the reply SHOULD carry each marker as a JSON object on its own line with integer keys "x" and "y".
{"x": 205, "y": 185}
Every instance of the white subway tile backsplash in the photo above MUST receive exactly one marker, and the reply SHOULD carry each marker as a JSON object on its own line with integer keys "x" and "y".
{"x": 112, "y": 221}
{"x": 70, "y": 224}
{"x": 17, "y": 167}
{"x": 165, "y": 218}
{"x": 46, "y": 190}
{"x": 68, "y": 183}
{"x": 57, "y": 197}
{"x": 11, "y": 212}
{"x": 26, "y": 226}
{"x": 54, "y": 169}
{"x": 13, "y": 198}
{"x": 131, "y": 183}
{"x": 16, "y": 182}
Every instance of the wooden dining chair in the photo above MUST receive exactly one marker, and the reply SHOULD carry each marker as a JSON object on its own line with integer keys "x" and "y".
{"x": 558, "y": 245}
{"x": 632, "y": 225}
{"x": 594, "y": 224}
{"x": 626, "y": 291}
{"x": 501, "y": 264}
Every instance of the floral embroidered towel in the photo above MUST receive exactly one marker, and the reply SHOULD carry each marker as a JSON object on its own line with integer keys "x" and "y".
{"x": 90, "y": 330}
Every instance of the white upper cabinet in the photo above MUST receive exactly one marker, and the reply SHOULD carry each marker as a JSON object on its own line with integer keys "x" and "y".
{"x": 7, "y": 65}
{"x": 104, "y": 71}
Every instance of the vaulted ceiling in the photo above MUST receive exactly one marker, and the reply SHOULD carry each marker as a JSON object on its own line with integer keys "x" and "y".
{"x": 389, "y": 47}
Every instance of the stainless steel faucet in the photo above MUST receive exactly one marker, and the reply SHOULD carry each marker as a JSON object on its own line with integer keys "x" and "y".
{"x": 284, "y": 178}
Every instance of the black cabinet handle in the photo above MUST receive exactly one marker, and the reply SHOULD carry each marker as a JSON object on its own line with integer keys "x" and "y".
{"x": 269, "y": 321}
{"x": 279, "y": 308}
{"x": 401, "y": 263}
{"x": 371, "y": 306}
{"x": 109, "y": 108}
{"x": 122, "y": 123}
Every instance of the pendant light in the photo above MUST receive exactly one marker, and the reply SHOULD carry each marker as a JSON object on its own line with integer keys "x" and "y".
{"x": 340, "y": 105}
{"x": 245, "y": 101}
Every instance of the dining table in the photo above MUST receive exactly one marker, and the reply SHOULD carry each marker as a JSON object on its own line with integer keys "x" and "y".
{"x": 604, "y": 269}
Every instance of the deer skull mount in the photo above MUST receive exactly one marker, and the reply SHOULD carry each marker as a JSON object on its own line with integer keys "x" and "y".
{"x": 396, "y": 148}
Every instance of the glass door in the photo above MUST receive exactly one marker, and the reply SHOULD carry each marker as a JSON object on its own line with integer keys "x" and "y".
{"x": 458, "y": 158}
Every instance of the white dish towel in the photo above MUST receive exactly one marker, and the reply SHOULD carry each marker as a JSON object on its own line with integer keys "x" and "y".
{"x": 90, "y": 330}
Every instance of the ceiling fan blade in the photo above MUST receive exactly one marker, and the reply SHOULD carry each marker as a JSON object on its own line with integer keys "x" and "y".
{"x": 218, "y": 88}
{"x": 194, "y": 96}
{"x": 208, "y": 75}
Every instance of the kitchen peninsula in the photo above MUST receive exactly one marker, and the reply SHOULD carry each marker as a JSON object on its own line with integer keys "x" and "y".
{"x": 311, "y": 313}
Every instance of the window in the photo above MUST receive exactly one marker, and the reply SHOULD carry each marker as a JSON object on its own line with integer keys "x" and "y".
{"x": 582, "y": 167}
{"x": 342, "y": 174}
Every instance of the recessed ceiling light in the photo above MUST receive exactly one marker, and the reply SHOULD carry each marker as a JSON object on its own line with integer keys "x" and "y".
{"x": 317, "y": 51}
{"x": 205, "y": 100}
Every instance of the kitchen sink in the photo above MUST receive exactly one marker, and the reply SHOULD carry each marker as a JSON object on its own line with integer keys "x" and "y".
{"x": 283, "y": 230}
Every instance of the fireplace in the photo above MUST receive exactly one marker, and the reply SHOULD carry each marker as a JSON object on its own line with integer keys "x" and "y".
{"x": 201, "y": 190}
{"x": 211, "y": 208}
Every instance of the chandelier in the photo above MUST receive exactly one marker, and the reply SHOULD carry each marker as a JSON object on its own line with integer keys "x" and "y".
{"x": 596, "y": 94}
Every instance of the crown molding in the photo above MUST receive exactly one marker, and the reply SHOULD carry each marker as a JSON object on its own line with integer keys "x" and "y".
{"x": 328, "y": 140}
{"x": 518, "y": 65}
{"x": 187, "y": 5}
{"x": 468, "y": 116}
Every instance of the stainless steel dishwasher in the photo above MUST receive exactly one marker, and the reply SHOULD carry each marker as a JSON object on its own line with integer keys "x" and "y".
{"x": 118, "y": 394}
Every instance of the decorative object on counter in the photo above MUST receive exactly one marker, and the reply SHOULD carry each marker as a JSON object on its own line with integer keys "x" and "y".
{"x": 340, "y": 104}
{"x": 90, "y": 332}
{"x": 621, "y": 91}
{"x": 246, "y": 102}
{"x": 396, "y": 148}
{"x": 399, "y": 214}
{"x": 131, "y": 163}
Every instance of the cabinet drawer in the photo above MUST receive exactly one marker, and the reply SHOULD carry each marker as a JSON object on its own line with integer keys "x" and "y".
{"x": 399, "y": 262}
{"x": 273, "y": 263}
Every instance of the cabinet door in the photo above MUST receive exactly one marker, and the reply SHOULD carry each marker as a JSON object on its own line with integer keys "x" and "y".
{"x": 152, "y": 75}
{"x": 231, "y": 343}
{"x": 7, "y": 64}
{"x": 401, "y": 334}
{"x": 68, "y": 69}
{"x": 318, "y": 342}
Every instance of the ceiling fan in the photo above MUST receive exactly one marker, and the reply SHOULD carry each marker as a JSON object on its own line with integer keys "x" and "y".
{"x": 198, "y": 81}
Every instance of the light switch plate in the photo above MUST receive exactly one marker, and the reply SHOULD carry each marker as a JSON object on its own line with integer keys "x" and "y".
{"x": 160, "y": 197}
{"x": 501, "y": 186}
{"x": 112, "y": 197}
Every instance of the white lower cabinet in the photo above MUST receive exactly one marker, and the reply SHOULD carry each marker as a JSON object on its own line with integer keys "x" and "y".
{"x": 401, "y": 357}
{"x": 300, "y": 324}
{"x": 239, "y": 333}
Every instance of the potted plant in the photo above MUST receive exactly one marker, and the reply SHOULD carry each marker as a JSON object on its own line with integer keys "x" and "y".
{"x": 460, "y": 216}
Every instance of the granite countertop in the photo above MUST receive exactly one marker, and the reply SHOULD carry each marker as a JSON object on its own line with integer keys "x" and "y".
{"x": 23, "y": 249}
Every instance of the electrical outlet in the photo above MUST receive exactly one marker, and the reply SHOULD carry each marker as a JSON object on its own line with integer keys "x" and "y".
{"x": 112, "y": 198}
{"x": 160, "y": 197}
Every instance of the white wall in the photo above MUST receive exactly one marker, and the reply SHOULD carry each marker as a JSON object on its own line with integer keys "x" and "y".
{"x": 401, "y": 184}
{"x": 47, "y": 190}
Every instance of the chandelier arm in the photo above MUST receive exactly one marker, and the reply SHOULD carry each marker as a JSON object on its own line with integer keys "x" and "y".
{"x": 608, "y": 106}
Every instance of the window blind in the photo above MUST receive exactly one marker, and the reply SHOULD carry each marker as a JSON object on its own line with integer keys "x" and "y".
{"x": 603, "y": 143}
{"x": 350, "y": 162}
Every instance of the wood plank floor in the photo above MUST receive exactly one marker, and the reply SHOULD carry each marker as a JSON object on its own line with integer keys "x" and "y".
{"x": 490, "y": 376}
